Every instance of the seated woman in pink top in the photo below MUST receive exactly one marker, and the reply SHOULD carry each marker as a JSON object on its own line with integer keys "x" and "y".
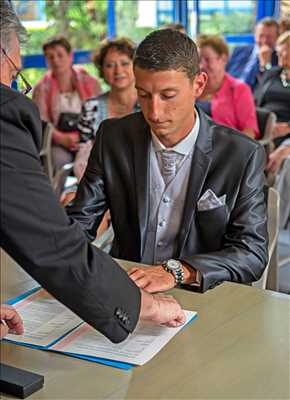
{"x": 227, "y": 100}
{"x": 59, "y": 96}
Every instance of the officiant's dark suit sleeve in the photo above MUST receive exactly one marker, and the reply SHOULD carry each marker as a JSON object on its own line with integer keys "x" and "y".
{"x": 50, "y": 246}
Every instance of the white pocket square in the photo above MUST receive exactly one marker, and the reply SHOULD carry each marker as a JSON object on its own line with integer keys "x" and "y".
{"x": 209, "y": 201}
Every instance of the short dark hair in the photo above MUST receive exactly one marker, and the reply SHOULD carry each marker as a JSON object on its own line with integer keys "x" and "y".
{"x": 269, "y": 21}
{"x": 122, "y": 45}
{"x": 167, "y": 49}
{"x": 57, "y": 41}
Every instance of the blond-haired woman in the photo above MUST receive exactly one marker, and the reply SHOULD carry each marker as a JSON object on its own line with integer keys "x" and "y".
{"x": 273, "y": 93}
{"x": 114, "y": 60}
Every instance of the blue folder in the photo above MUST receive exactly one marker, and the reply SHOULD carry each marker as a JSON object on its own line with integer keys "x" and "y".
{"x": 111, "y": 363}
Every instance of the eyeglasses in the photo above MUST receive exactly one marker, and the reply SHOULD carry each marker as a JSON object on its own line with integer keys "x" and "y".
{"x": 27, "y": 86}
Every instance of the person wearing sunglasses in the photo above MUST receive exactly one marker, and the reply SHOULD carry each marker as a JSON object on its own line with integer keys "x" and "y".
{"x": 35, "y": 230}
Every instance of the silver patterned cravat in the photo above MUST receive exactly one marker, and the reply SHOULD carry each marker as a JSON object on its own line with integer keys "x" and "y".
{"x": 169, "y": 165}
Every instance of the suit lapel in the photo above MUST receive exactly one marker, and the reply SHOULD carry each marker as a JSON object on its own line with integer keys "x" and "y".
{"x": 142, "y": 139}
{"x": 201, "y": 161}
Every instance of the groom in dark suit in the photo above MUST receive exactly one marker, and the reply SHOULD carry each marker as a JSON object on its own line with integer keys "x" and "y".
{"x": 185, "y": 194}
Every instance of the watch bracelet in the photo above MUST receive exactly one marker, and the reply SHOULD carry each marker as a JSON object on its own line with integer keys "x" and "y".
{"x": 178, "y": 275}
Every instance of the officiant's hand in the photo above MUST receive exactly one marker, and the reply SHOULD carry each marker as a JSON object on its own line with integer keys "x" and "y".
{"x": 10, "y": 321}
{"x": 161, "y": 310}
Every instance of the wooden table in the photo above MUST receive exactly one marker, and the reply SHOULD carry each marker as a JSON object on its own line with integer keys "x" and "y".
{"x": 238, "y": 348}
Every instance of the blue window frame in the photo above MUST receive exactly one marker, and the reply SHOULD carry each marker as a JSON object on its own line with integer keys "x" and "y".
{"x": 111, "y": 20}
{"x": 268, "y": 8}
{"x": 165, "y": 12}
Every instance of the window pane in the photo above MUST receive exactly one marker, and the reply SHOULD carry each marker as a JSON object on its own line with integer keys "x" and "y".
{"x": 226, "y": 16}
{"x": 135, "y": 19}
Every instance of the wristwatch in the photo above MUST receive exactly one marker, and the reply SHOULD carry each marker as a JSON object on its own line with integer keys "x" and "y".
{"x": 266, "y": 67}
{"x": 176, "y": 269}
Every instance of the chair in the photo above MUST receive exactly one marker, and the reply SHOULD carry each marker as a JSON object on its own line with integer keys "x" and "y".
{"x": 45, "y": 152}
{"x": 284, "y": 240}
{"x": 105, "y": 240}
{"x": 60, "y": 178}
{"x": 266, "y": 123}
{"x": 269, "y": 279}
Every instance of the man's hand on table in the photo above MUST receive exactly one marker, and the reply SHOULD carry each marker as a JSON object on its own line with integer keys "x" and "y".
{"x": 155, "y": 278}
{"x": 152, "y": 279}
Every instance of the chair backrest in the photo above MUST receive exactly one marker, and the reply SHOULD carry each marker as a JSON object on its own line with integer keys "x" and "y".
{"x": 58, "y": 181}
{"x": 45, "y": 152}
{"x": 273, "y": 231}
{"x": 266, "y": 122}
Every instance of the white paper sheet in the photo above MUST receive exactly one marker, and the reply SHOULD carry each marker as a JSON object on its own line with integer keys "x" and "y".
{"x": 45, "y": 319}
{"x": 146, "y": 341}
{"x": 50, "y": 325}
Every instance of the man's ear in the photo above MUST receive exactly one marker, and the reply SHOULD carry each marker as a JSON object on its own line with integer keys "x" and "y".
{"x": 199, "y": 83}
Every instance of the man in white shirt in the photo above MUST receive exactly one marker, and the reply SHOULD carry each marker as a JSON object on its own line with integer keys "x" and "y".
{"x": 185, "y": 194}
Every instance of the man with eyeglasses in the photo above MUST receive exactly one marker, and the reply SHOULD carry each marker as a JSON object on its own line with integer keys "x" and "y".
{"x": 14, "y": 72}
{"x": 36, "y": 231}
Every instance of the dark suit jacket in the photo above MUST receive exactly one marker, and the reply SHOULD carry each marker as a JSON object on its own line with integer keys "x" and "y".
{"x": 261, "y": 92}
{"x": 225, "y": 244}
{"x": 264, "y": 84}
{"x": 238, "y": 61}
{"x": 38, "y": 234}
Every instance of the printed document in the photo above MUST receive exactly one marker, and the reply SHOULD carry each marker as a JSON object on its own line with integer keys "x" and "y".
{"x": 45, "y": 320}
{"x": 146, "y": 341}
{"x": 49, "y": 325}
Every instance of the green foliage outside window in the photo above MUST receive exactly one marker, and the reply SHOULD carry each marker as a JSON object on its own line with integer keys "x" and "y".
{"x": 235, "y": 23}
{"x": 84, "y": 23}
{"x": 126, "y": 13}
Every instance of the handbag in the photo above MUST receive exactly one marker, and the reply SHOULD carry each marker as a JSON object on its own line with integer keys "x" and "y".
{"x": 68, "y": 122}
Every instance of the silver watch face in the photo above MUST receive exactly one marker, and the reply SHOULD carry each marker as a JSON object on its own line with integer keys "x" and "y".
{"x": 173, "y": 265}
